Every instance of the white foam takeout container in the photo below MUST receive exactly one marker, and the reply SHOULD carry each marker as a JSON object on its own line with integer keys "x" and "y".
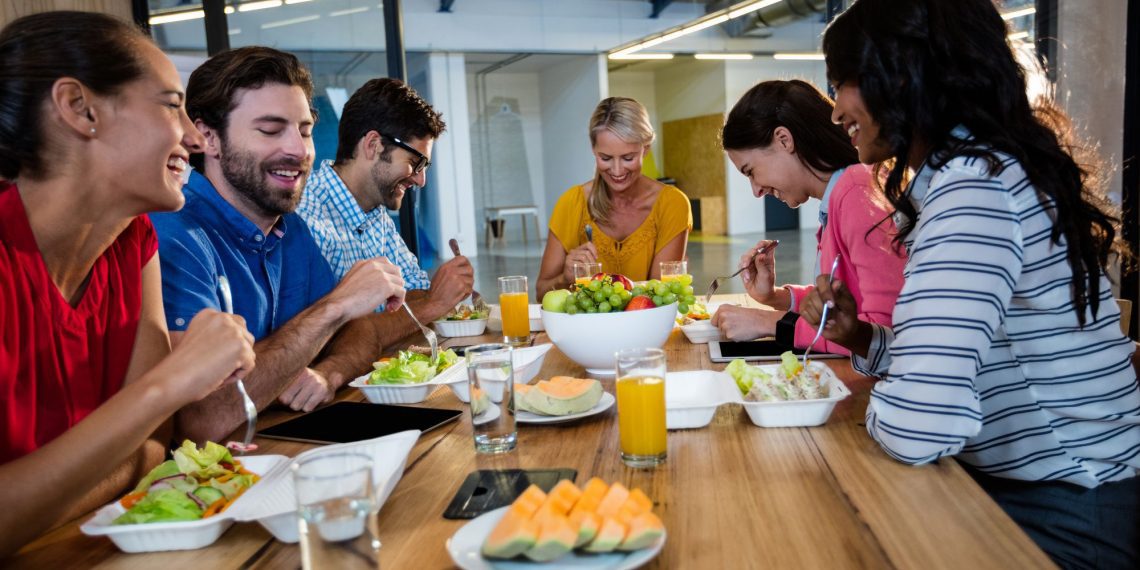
{"x": 271, "y": 501}
{"x": 408, "y": 393}
{"x": 469, "y": 327}
{"x": 527, "y": 362}
{"x": 534, "y": 310}
{"x": 691, "y": 400}
{"x": 702, "y": 332}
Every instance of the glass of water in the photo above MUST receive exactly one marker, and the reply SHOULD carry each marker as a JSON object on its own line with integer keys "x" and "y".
{"x": 337, "y": 511}
{"x": 490, "y": 378}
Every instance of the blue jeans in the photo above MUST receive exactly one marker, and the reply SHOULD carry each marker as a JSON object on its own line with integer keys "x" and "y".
{"x": 1077, "y": 527}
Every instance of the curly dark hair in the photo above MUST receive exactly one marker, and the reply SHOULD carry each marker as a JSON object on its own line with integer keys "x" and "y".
{"x": 389, "y": 107}
{"x": 98, "y": 50}
{"x": 797, "y": 106}
{"x": 925, "y": 66}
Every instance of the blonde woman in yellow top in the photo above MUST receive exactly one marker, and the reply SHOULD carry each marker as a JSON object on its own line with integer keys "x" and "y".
{"x": 637, "y": 222}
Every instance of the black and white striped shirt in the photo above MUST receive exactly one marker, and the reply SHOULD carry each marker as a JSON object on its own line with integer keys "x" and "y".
{"x": 986, "y": 359}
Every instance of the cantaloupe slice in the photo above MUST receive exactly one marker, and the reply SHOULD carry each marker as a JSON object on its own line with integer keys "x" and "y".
{"x": 592, "y": 495}
{"x": 556, "y": 537}
{"x": 644, "y": 530}
{"x": 615, "y": 497}
{"x": 563, "y": 395}
{"x": 512, "y": 536}
{"x": 520, "y": 397}
{"x": 587, "y": 523}
{"x": 560, "y": 499}
{"x": 529, "y": 501}
{"x": 610, "y": 534}
{"x": 636, "y": 504}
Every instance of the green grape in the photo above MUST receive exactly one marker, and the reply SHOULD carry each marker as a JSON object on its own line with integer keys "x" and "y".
{"x": 687, "y": 290}
{"x": 599, "y": 296}
{"x": 675, "y": 287}
{"x": 585, "y": 304}
{"x": 657, "y": 300}
{"x": 683, "y": 309}
{"x": 614, "y": 300}
{"x": 669, "y": 298}
{"x": 570, "y": 302}
{"x": 688, "y": 299}
{"x": 625, "y": 295}
{"x": 639, "y": 290}
{"x": 660, "y": 289}
{"x": 604, "y": 307}
{"x": 618, "y": 287}
{"x": 571, "y": 309}
{"x": 594, "y": 285}
{"x": 607, "y": 290}
{"x": 686, "y": 279}
{"x": 592, "y": 309}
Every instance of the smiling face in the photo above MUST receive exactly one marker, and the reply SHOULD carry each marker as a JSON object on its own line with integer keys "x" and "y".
{"x": 393, "y": 172}
{"x": 851, "y": 112}
{"x": 776, "y": 170}
{"x": 618, "y": 161}
{"x": 150, "y": 168}
{"x": 267, "y": 151}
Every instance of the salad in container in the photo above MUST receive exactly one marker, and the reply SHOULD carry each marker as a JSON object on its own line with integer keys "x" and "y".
{"x": 463, "y": 320}
{"x": 409, "y": 377}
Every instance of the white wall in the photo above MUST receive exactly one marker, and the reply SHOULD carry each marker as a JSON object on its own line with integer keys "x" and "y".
{"x": 450, "y": 196}
{"x": 639, "y": 85}
{"x": 569, "y": 93}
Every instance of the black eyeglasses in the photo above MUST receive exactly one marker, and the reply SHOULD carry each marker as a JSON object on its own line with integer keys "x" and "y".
{"x": 421, "y": 162}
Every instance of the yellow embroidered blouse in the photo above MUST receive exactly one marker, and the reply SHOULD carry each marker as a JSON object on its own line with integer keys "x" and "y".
{"x": 633, "y": 256}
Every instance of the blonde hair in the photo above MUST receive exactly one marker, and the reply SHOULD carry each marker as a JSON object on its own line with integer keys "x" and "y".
{"x": 629, "y": 121}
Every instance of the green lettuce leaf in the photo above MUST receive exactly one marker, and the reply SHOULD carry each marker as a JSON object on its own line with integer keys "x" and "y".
{"x": 790, "y": 365}
{"x": 745, "y": 375}
{"x": 167, "y": 505}
{"x": 232, "y": 487}
{"x": 202, "y": 463}
{"x": 411, "y": 368}
{"x": 164, "y": 469}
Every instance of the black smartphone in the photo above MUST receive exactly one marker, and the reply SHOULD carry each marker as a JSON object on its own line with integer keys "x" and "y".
{"x": 343, "y": 422}
{"x": 488, "y": 489}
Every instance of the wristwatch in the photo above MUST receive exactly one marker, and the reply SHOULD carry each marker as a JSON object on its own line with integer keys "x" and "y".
{"x": 786, "y": 329}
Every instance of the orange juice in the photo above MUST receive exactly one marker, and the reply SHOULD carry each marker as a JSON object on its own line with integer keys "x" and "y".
{"x": 582, "y": 281}
{"x": 516, "y": 315}
{"x": 641, "y": 417}
{"x": 668, "y": 278}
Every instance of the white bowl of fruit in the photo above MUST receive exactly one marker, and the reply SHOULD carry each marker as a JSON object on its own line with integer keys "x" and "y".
{"x": 591, "y": 322}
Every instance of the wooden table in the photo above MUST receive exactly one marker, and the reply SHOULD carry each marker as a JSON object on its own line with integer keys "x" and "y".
{"x": 732, "y": 495}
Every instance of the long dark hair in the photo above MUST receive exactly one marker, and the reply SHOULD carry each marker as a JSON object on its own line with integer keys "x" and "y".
{"x": 926, "y": 66}
{"x": 797, "y": 106}
{"x": 35, "y": 51}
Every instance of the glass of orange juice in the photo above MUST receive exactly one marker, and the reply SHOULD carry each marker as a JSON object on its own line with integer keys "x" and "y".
{"x": 514, "y": 304}
{"x": 641, "y": 406}
{"x": 584, "y": 272}
{"x": 673, "y": 270}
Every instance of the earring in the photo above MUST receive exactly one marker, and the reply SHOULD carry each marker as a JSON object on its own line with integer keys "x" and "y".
{"x": 92, "y": 130}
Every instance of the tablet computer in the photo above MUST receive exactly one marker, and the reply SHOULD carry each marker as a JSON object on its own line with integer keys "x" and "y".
{"x": 762, "y": 349}
{"x": 344, "y": 422}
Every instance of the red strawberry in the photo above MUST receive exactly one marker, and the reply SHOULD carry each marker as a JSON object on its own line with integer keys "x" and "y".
{"x": 640, "y": 302}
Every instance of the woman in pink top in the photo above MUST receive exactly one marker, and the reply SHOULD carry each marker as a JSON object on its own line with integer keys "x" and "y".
{"x": 781, "y": 137}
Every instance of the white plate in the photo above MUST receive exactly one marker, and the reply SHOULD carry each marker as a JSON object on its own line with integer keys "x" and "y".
{"x": 184, "y": 535}
{"x": 691, "y": 398}
{"x": 533, "y": 418}
{"x": 465, "y": 545}
{"x": 491, "y": 414}
{"x": 408, "y": 393}
{"x": 527, "y": 362}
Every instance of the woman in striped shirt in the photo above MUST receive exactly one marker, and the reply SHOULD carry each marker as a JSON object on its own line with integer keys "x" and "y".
{"x": 1006, "y": 349}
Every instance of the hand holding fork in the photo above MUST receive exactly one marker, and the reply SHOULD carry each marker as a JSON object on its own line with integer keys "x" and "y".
{"x": 831, "y": 308}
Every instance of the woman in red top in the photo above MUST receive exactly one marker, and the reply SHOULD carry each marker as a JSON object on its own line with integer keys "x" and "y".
{"x": 93, "y": 135}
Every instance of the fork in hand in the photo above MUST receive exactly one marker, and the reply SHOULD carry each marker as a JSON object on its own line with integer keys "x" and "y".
{"x": 428, "y": 334}
{"x": 250, "y": 407}
{"x": 823, "y": 314}
{"x": 716, "y": 282}
{"x": 477, "y": 301}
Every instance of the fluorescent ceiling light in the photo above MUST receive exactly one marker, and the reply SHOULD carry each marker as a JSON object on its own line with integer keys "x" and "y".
{"x": 723, "y": 56}
{"x": 297, "y": 1}
{"x": 807, "y": 56}
{"x": 1017, "y": 36}
{"x": 1019, "y": 13}
{"x": 234, "y": 31}
{"x": 229, "y": 10}
{"x": 641, "y": 56}
{"x": 260, "y": 5}
{"x": 176, "y": 17}
{"x": 289, "y": 22}
{"x": 348, "y": 11}
{"x": 752, "y": 8}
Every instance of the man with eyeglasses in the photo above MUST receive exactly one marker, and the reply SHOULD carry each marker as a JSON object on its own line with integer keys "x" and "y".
{"x": 384, "y": 147}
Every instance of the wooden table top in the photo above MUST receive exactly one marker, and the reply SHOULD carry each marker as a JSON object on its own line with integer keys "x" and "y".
{"x": 731, "y": 495}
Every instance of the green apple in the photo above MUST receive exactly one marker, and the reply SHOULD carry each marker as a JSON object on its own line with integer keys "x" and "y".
{"x": 555, "y": 301}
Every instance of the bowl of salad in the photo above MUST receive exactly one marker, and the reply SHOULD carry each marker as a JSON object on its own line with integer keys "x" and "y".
{"x": 409, "y": 377}
{"x": 463, "y": 320}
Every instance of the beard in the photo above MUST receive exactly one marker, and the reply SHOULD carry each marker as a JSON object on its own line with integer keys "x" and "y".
{"x": 387, "y": 186}
{"x": 246, "y": 176}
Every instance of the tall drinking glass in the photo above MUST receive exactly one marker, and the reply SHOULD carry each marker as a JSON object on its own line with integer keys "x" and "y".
{"x": 673, "y": 270}
{"x": 337, "y": 511}
{"x": 641, "y": 406}
{"x": 514, "y": 303}
{"x": 585, "y": 271}
{"x": 490, "y": 378}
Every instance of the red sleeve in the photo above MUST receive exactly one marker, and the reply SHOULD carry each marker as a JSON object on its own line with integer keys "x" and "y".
{"x": 147, "y": 238}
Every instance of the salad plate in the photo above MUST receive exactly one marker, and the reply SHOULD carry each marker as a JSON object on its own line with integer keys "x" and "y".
{"x": 532, "y": 418}
{"x": 464, "y": 547}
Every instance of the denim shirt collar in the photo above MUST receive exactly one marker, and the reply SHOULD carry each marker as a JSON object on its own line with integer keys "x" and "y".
{"x": 831, "y": 183}
{"x": 239, "y": 228}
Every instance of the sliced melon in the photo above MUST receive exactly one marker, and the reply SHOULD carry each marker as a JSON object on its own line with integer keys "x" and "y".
{"x": 615, "y": 497}
{"x": 610, "y": 534}
{"x": 587, "y": 523}
{"x": 513, "y": 535}
{"x": 529, "y": 501}
{"x": 520, "y": 397}
{"x": 563, "y": 395}
{"x": 644, "y": 530}
{"x": 479, "y": 402}
{"x": 636, "y": 504}
{"x": 560, "y": 499}
{"x": 556, "y": 537}
{"x": 592, "y": 495}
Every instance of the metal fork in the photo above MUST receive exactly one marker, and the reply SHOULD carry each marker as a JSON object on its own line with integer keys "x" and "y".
{"x": 823, "y": 314}
{"x": 716, "y": 282}
{"x": 428, "y": 334}
{"x": 250, "y": 407}
{"x": 476, "y": 299}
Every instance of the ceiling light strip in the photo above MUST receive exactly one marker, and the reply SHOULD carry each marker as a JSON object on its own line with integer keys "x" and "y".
{"x": 706, "y": 21}
{"x": 722, "y": 56}
{"x": 798, "y": 56}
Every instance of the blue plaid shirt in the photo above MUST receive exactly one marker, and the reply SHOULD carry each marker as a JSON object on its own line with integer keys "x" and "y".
{"x": 347, "y": 234}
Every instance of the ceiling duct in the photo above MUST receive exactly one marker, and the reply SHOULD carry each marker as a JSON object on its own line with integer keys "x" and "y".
{"x": 761, "y": 22}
